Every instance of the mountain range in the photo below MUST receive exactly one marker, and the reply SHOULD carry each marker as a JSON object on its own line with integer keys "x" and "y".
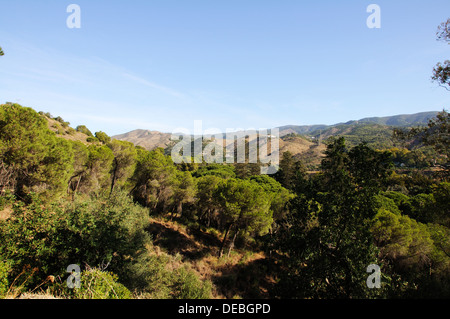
{"x": 374, "y": 130}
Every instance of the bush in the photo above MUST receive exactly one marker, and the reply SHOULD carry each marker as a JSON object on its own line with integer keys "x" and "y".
{"x": 84, "y": 129}
{"x": 96, "y": 231}
{"x": 4, "y": 270}
{"x": 187, "y": 285}
{"x": 149, "y": 275}
{"x": 103, "y": 137}
{"x": 92, "y": 139}
{"x": 97, "y": 284}
{"x": 160, "y": 276}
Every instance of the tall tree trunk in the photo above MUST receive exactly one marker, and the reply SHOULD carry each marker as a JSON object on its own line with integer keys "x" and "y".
{"x": 224, "y": 240}
{"x": 232, "y": 242}
{"x": 180, "y": 208}
{"x": 113, "y": 181}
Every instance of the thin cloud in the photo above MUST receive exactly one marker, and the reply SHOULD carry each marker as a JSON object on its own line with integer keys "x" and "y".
{"x": 153, "y": 85}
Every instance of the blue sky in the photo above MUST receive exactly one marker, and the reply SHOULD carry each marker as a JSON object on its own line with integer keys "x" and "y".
{"x": 161, "y": 64}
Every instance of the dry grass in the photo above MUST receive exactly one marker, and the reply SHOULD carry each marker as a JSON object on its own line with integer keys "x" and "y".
{"x": 63, "y": 132}
{"x": 38, "y": 295}
{"x": 240, "y": 274}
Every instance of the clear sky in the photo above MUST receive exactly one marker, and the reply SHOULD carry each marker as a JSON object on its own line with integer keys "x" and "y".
{"x": 161, "y": 64}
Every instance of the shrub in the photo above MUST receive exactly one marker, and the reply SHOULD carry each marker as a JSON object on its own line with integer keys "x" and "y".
{"x": 187, "y": 285}
{"x": 103, "y": 137}
{"x": 95, "y": 231}
{"x": 97, "y": 284}
{"x": 149, "y": 275}
{"x": 84, "y": 129}
{"x": 92, "y": 139}
{"x": 4, "y": 270}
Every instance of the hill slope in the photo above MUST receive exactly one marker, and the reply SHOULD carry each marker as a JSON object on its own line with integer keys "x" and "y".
{"x": 305, "y": 141}
{"x": 146, "y": 138}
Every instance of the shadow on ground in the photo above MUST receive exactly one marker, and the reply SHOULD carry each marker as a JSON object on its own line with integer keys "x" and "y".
{"x": 249, "y": 280}
{"x": 193, "y": 246}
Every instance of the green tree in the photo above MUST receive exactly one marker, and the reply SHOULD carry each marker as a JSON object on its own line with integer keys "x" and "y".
{"x": 83, "y": 129}
{"x": 154, "y": 179}
{"x": 290, "y": 172}
{"x": 124, "y": 162}
{"x": 1, "y": 52}
{"x": 245, "y": 207}
{"x": 98, "y": 169}
{"x": 103, "y": 137}
{"x": 279, "y": 196}
{"x": 415, "y": 255}
{"x": 441, "y": 72}
{"x": 32, "y": 158}
{"x": 220, "y": 170}
{"x": 41, "y": 240}
{"x": 207, "y": 206}
{"x": 81, "y": 155}
{"x": 436, "y": 134}
{"x": 325, "y": 239}
{"x": 98, "y": 284}
{"x": 184, "y": 191}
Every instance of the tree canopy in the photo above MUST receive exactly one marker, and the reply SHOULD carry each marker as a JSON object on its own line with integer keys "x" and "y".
{"x": 441, "y": 72}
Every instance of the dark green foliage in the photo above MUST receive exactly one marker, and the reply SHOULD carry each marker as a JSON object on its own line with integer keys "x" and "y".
{"x": 321, "y": 231}
{"x": 103, "y": 137}
{"x": 95, "y": 232}
{"x": 92, "y": 139}
{"x": 83, "y": 129}
{"x": 244, "y": 207}
{"x": 326, "y": 238}
{"x": 377, "y": 136}
{"x": 154, "y": 179}
{"x": 4, "y": 284}
{"x": 415, "y": 252}
{"x": 150, "y": 275}
{"x": 278, "y": 195}
{"x": 124, "y": 162}
{"x": 97, "y": 284}
{"x": 32, "y": 158}
{"x": 223, "y": 171}
{"x": 98, "y": 168}
{"x": 61, "y": 121}
{"x": 441, "y": 72}
{"x": 207, "y": 208}
{"x": 290, "y": 172}
{"x": 188, "y": 286}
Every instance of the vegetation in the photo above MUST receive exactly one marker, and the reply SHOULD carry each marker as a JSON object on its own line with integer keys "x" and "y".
{"x": 140, "y": 226}
{"x": 441, "y": 72}
{"x": 117, "y": 211}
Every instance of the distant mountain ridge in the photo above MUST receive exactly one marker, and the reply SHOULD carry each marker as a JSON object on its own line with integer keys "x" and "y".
{"x": 395, "y": 120}
{"x": 152, "y": 139}
{"x": 146, "y": 138}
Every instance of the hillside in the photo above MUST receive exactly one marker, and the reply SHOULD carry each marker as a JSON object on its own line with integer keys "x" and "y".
{"x": 399, "y": 120}
{"x": 65, "y": 131}
{"x": 305, "y": 142}
{"x": 396, "y": 120}
{"x": 146, "y": 138}
{"x": 143, "y": 227}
